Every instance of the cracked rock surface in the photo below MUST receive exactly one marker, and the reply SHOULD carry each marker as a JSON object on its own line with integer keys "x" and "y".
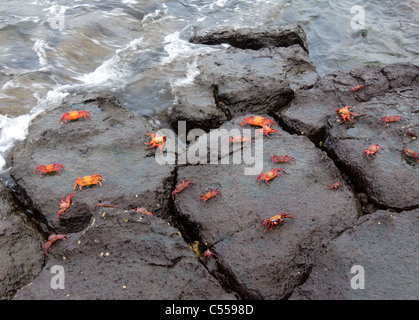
{"x": 110, "y": 144}
{"x": 385, "y": 245}
{"x": 125, "y": 255}
{"x": 268, "y": 265}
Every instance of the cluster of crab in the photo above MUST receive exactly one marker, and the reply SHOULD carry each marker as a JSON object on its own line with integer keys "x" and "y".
{"x": 346, "y": 114}
{"x": 80, "y": 182}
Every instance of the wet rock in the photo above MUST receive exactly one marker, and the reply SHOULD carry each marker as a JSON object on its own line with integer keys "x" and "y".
{"x": 253, "y": 38}
{"x": 110, "y": 144}
{"x": 124, "y": 255}
{"x": 389, "y": 179}
{"x": 311, "y": 108}
{"x": 21, "y": 259}
{"x": 258, "y": 264}
{"x": 257, "y": 74}
{"x": 385, "y": 245}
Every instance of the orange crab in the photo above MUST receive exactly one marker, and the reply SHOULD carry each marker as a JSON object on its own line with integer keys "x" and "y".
{"x": 88, "y": 180}
{"x": 269, "y": 175}
{"x": 258, "y": 121}
{"x": 64, "y": 204}
{"x": 345, "y": 114}
{"x": 156, "y": 141}
{"x": 51, "y": 239}
{"x": 181, "y": 186}
{"x": 372, "y": 149}
{"x": 266, "y": 130}
{"x": 208, "y": 253}
{"x": 275, "y": 220}
{"x": 240, "y": 138}
{"x": 105, "y": 204}
{"x": 359, "y": 87}
{"x": 143, "y": 211}
{"x": 48, "y": 168}
{"x": 335, "y": 185}
{"x": 282, "y": 159}
{"x": 209, "y": 194}
{"x": 410, "y": 153}
{"x": 391, "y": 119}
{"x": 74, "y": 115}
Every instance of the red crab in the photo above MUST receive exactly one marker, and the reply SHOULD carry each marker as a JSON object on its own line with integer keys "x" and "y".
{"x": 410, "y": 153}
{"x": 181, "y": 186}
{"x": 208, "y": 253}
{"x": 345, "y": 114}
{"x": 51, "y": 239}
{"x": 64, "y": 204}
{"x": 105, "y": 204}
{"x": 411, "y": 133}
{"x": 268, "y": 175}
{"x": 88, "y": 180}
{"x": 240, "y": 138}
{"x": 209, "y": 194}
{"x": 372, "y": 149}
{"x": 282, "y": 159}
{"x": 74, "y": 115}
{"x": 266, "y": 130}
{"x": 335, "y": 185}
{"x": 273, "y": 221}
{"x": 357, "y": 88}
{"x": 258, "y": 121}
{"x": 48, "y": 168}
{"x": 143, "y": 211}
{"x": 391, "y": 119}
{"x": 156, "y": 141}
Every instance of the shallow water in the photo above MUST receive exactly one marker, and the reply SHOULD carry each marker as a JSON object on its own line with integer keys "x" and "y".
{"x": 138, "y": 49}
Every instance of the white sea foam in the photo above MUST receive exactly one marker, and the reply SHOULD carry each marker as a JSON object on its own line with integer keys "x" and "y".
{"x": 40, "y": 47}
{"x": 15, "y": 129}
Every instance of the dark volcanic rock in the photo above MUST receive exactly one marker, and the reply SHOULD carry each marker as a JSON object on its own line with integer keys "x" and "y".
{"x": 21, "y": 258}
{"x": 385, "y": 245}
{"x": 110, "y": 144}
{"x": 267, "y": 265}
{"x": 241, "y": 79}
{"x": 125, "y": 255}
{"x": 254, "y": 38}
{"x": 389, "y": 179}
{"x": 311, "y": 108}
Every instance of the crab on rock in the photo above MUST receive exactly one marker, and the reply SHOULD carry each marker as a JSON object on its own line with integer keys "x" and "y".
{"x": 269, "y": 175}
{"x": 143, "y": 211}
{"x": 88, "y": 180}
{"x": 64, "y": 204}
{"x": 267, "y": 130}
{"x": 48, "y": 168}
{"x": 105, "y": 204}
{"x": 345, "y": 114}
{"x": 282, "y": 159}
{"x": 51, "y": 239}
{"x": 410, "y": 153}
{"x": 181, "y": 186}
{"x": 258, "y": 121}
{"x": 275, "y": 220}
{"x": 209, "y": 194}
{"x": 74, "y": 115}
{"x": 335, "y": 185}
{"x": 372, "y": 149}
{"x": 156, "y": 141}
{"x": 240, "y": 138}
{"x": 391, "y": 119}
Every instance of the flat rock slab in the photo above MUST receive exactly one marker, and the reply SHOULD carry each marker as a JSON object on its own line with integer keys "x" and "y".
{"x": 257, "y": 73}
{"x": 310, "y": 109}
{"x": 253, "y": 38}
{"x": 385, "y": 245}
{"x": 110, "y": 144}
{"x": 389, "y": 179}
{"x": 268, "y": 265}
{"x": 123, "y": 255}
{"x": 21, "y": 258}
